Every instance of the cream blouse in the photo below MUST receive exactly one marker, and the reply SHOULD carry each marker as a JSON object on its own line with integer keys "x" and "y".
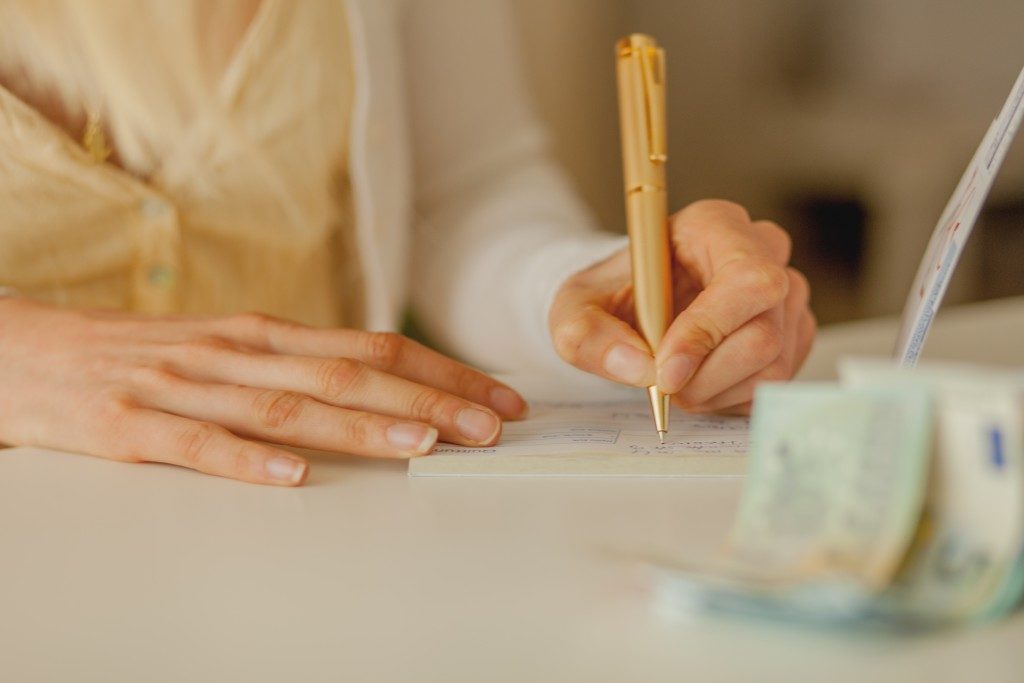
{"x": 238, "y": 202}
{"x": 458, "y": 208}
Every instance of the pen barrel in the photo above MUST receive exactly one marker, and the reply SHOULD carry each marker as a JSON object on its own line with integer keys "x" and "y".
{"x": 647, "y": 218}
{"x": 641, "y": 76}
{"x": 640, "y": 68}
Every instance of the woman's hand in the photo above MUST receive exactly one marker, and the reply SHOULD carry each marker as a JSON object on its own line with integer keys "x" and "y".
{"x": 742, "y": 315}
{"x": 206, "y": 393}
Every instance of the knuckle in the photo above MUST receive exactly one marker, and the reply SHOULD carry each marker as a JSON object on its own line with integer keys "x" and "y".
{"x": 766, "y": 339}
{"x": 767, "y": 281}
{"x": 155, "y": 377}
{"x": 428, "y": 405}
{"x": 114, "y": 415}
{"x": 573, "y": 283}
{"x": 785, "y": 239}
{"x": 239, "y": 459}
{"x": 99, "y": 366}
{"x": 215, "y": 343}
{"x": 776, "y": 372}
{"x": 112, "y": 402}
{"x": 276, "y": 410}
{"x": 773, "y": 228}
{"x": 260, "y": 328}
{"x": 384, "y": 349}
{"x": 195, "y": 442}
{"x": 571, "y": 335}
{"x": 684, "y": 401}
{"x": 688, "y": 404}
{"x": 720, "y": 206}
{"x": 703, "y": 335}
{"x": 204, "y": 347}
{"x": 251, "y": 320}
{"x": 468, "y": 383}
{"x": 811, "y": 321}
{"x": 745, "y": 399}
{"x": 799, "y": 284}
{"x": 741, "y": 410}
{"x": 356, "y": 430}
{"x": 777, "y": 234}
{"x": 338, "y": 377}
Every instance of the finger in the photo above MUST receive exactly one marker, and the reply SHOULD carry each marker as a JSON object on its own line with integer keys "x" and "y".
{"x": 747, "y": 351}
{"x": 711, "y": 232}
{"x": 592, "y": 339}
{"x": 778, "y": 242}
{"x": 740, "y": 290}
{"x": 740, "y": 267}
{"x": 345, "y": 383}
{"x": 287, "y": 417}
{"x": 783, "y": 367}
{"x": 738, "y": 394}
{"x": 808, "y": 329}
{"x": 141, "y": 434}
{"x": 769, "y": 340}
{"x": 740, "y": 409}
{"x": 385, "y": 351}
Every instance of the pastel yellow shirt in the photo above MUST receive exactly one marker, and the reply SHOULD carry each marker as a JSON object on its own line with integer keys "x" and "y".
{"x": 237, "y": 202}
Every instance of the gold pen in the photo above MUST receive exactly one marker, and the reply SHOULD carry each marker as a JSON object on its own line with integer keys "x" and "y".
{"x": 640, "y": 66}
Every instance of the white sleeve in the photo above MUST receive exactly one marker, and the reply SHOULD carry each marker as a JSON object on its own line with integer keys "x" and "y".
{"x": 499, "y": 226}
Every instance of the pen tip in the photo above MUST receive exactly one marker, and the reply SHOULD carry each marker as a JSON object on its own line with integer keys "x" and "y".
{"x": 661, "y": 437}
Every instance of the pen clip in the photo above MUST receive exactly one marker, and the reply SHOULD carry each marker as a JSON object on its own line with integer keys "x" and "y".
{"x": 652, "y": 72}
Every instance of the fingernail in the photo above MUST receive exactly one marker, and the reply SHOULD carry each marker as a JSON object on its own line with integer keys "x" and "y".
{"x": 410, "y": 437}
{"x": 287, "y": 470}
{"x": 476, "y": 425}
{"x": 507, "y": 402}
{"x": 628, "y": 364}
{"x": 674, "y": 373}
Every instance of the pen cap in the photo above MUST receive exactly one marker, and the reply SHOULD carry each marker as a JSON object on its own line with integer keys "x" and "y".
{"x": 640, "y": 66}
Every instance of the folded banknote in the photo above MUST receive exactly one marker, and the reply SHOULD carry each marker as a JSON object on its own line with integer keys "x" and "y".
{"x": 896, "y": 496}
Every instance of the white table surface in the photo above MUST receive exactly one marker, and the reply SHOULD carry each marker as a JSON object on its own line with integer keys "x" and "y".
{"x": 113, "y": 572}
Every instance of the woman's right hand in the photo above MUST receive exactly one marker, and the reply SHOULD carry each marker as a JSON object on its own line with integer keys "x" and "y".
{"x": 210, "y": 393}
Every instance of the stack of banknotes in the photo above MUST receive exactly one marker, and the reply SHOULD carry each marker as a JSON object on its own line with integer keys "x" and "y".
{"x": 896, "y": 496}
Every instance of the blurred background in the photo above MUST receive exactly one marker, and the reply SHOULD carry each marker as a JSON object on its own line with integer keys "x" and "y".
{"x": 847, "y": 121}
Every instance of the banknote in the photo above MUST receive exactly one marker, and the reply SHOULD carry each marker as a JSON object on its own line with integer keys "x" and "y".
{"x": 964, "y": 561}
{"x": 835, "y": 483}
{"x": 682, "y": 586}
{"x": 959, "y": 558}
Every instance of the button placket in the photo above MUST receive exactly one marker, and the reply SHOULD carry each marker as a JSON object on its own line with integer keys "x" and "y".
{"x": 157, "y": 274}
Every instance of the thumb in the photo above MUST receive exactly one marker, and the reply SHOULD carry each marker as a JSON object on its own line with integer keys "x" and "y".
{"x": 592, "y": 339}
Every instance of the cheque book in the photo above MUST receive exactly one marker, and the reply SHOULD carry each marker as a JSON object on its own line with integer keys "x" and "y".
{"x": 602, "y": 437}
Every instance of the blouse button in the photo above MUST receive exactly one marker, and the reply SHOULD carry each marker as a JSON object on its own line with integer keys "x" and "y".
{"x": 153, "y": 207}
{"x": 160, "y": 276}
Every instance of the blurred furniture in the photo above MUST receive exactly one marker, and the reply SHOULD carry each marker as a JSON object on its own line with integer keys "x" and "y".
{"x": 119, "y": 572}
{"x": 985, "y": 332}
{"x": 880, "y": 102}
{"x": 875, "y": 102}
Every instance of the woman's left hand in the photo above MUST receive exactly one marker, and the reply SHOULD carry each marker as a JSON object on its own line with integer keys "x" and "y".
{"x": 742, "y": 315}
